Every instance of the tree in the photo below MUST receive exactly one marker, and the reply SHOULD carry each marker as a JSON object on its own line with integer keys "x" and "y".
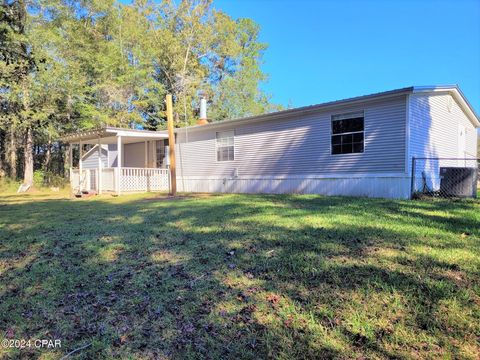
{"x": 204, "y": 52}
{"x": 16, "y": 63}
{"x": 235, "y": 82}
{"x": 68, "y": 65}
{"x": 10, "y": 60}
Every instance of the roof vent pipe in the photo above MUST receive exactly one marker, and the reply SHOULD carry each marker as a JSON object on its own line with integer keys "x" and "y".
{"x": 203, "y": 112}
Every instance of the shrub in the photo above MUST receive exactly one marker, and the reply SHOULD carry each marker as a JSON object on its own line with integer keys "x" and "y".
{"x": 52, "y": 179}
{"x": 38, "y": 176}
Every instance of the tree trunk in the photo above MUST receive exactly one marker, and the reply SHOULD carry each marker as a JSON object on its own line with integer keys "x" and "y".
{"x": 3, "y": 141}
{"x": 48, "y": 155}
{"x": 28, "y": 145}
{"x": 66, "y": 161}
{"x": 12, "y": 154}
{"x": 28, "y": 171}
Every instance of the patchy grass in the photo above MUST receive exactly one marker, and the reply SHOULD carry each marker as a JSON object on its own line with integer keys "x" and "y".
{"x": 240, "y": 276}
{"x": 8, "y": 185}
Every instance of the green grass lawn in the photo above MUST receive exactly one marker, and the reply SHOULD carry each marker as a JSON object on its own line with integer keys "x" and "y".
{"x": 240, "y": 276}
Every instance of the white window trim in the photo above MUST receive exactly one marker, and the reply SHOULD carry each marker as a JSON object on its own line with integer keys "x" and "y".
{"x": 353, "y": 132}
{"x": 216, "y": 147}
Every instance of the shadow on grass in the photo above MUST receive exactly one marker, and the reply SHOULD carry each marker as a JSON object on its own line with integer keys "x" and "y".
{"x": 241, "y": 277}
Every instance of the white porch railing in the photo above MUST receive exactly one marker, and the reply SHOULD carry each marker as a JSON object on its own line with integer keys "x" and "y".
{"x": 144, "y": 179}
{"x": 78, "y": 182}
{"x": 131, "y": 179}
{"x": 108, "y": 179}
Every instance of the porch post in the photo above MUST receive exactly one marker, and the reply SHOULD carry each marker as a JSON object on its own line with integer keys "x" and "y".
{"x": 70, "y": 161}
{"x": 80, "y": 166}
{"x": 119, "y": 165}
{"x": 70, "y": 169}
{"x": 99, "y": 176}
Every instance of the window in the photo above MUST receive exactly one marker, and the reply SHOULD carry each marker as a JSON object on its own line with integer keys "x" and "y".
{"x": 161, "y": 153}
{"x": 225, "y": 145}
{"x": 347, "y": 133}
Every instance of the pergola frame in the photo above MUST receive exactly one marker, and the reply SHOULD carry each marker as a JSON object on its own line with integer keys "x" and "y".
{"x": 110, "y": 135}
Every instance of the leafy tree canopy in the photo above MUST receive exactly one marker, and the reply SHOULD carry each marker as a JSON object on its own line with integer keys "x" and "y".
{"x": 67, "y": 65}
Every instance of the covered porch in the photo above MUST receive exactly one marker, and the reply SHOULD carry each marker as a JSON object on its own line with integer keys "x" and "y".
{"x": 119, "y": 160}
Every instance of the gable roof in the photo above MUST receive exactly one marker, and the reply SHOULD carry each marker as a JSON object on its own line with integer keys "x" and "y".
{"x": 94, "y": 149}
{"x": 454, "y": 90}
{"x": 108, "y": 135}
{"x": 457, "y": 94}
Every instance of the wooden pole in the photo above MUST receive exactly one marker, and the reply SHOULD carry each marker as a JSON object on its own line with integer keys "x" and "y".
{"x": 171, "y": 146}
{"x": 80, "y": 167}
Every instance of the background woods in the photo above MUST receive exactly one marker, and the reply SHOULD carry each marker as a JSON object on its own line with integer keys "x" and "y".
{"x": 71, "y": 65}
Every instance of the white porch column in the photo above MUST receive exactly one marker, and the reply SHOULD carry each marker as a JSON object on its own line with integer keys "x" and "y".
{"x": 70, "y": 166}
{"x": 99, "y": 175}
{"x": 70, "y": 161}
{"x": 80, "y": 166}
{"x": 118, "y": 183}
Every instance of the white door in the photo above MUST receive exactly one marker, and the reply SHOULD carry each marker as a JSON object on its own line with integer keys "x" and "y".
{"x": 93, "y": 179}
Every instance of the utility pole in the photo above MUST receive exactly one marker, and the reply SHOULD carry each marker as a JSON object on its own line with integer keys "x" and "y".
{"x": 171, "y": 146}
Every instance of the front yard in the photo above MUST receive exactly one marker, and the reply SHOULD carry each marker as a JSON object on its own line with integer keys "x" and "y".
{"x": 240, "y": 276}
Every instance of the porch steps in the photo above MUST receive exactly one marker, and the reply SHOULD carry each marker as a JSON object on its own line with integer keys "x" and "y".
{"x": 85, "y": 194}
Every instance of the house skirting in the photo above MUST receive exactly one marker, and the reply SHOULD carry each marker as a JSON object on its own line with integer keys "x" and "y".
{"x": 394, "y": 187}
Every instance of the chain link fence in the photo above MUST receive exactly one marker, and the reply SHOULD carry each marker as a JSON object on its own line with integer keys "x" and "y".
{"x": 445, "y": 177}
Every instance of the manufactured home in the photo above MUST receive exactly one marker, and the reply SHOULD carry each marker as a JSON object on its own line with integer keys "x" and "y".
{"x": 387, "y": 144}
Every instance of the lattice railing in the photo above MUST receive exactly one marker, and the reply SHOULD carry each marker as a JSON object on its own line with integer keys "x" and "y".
{"x": 144, "y": 179}
{"x": 132, "y": 179}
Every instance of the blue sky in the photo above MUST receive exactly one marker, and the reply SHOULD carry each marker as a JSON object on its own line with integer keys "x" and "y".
{"x": 328, "y": 50}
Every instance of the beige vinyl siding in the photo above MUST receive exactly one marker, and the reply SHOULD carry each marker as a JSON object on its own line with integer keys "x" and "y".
{"x": 134, "y": 155}
{"x": 300, "y": 144}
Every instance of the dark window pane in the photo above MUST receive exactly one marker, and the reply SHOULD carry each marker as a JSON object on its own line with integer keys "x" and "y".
{"x": 346, "y": 148}
{"x": 358, "y": 137}
{"x": 358, "y": 147}
{"x": 347, "y": 125}
{"x": 347, "y": 139}
{"x": 356, "y": 124}
{"x": 336, "y": 149}
{"x": 337, "y": 127}
{"x": 336, "y": 140}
